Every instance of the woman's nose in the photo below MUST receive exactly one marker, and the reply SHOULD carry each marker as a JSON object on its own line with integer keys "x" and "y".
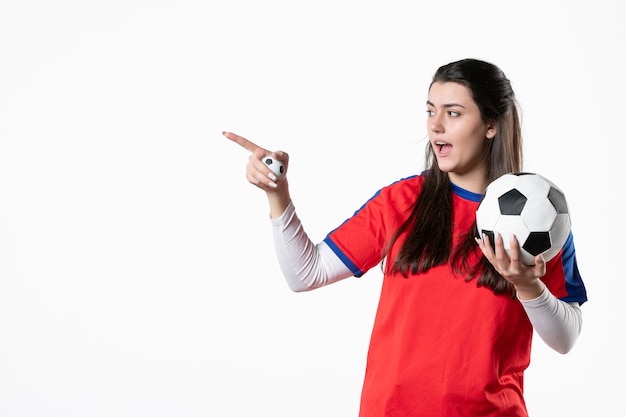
{"x": 434, "y": 123}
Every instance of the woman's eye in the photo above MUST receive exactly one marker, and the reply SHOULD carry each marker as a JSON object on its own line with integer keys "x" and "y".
{"x": 429, "y": 113}
{"x": 453, "y": 113}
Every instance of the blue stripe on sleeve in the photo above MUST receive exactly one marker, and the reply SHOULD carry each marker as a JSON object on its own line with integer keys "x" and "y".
{"x": 351, "y": 266}
{"x": 576, "y": 291}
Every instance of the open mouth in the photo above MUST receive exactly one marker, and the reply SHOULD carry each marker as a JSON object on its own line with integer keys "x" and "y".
{"x": 444, "y": 147}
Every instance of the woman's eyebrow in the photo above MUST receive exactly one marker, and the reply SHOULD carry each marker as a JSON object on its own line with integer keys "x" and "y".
{"x": 429, "y": 103}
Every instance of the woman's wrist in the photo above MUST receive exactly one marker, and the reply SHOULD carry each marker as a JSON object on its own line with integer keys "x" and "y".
{"x": 279, "y": 199}
{"x": 529, "y": 290}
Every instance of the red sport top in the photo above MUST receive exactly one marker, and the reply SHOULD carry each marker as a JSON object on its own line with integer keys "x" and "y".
{"x": 440, "y": 345}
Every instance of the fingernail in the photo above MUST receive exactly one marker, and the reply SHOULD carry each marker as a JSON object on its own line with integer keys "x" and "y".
{"x": 272, "y": 176}
{"x": 272, "y": 184}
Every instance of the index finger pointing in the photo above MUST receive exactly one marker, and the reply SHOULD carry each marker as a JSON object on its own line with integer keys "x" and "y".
{"x": 243, "y": 142}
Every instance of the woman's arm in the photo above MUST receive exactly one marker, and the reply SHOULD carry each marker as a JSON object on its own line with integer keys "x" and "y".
{"x": 558, "y": 323}
{"x": 305, "y": 265}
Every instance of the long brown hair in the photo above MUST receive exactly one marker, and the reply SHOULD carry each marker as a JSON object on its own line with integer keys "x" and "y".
{"x": 429, "y": 226}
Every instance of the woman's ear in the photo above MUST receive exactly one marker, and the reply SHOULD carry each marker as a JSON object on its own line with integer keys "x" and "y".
{"x": 491, "y": 130}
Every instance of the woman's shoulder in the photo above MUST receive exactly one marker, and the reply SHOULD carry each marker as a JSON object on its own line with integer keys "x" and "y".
{"x": 403, "y": 188}
{"x": 409, "y": 182}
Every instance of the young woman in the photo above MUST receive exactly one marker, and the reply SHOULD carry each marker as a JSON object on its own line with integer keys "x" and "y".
{"x": 453, "y": 329}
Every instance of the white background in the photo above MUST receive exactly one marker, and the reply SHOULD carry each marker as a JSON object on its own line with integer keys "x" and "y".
{"x": 137, "y": 272}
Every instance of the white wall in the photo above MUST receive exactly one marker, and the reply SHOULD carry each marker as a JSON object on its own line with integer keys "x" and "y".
{"x": 137, "y": 273}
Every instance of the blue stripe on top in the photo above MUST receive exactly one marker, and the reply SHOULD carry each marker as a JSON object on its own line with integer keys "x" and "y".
{"x": 465, "y": 194}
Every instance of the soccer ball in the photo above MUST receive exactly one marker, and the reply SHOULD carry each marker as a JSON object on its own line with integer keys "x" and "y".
{"x": 276, "y": 166}
{"x": 530, "y": 207}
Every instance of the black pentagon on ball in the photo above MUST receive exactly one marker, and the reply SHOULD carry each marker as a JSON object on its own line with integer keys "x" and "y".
{"x": 557, "y": 199}
{"x": 269, "y": 161}
{"x": 491, "y": 236}
{"x": 512, "y": 202}
{"x": 537, "y": 242}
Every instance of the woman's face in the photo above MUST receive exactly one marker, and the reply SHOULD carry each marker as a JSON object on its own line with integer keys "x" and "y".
{"x": 458, "y": 134}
